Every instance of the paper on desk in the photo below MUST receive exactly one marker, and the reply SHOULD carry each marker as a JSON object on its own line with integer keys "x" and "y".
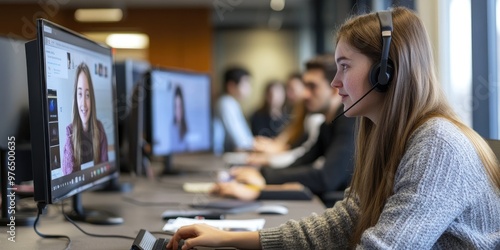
{"x": 198, "y": 187}
{"x": 236, "y": 225}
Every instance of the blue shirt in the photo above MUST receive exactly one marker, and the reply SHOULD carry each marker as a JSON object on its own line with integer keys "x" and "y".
{"x": 237, "y": 134}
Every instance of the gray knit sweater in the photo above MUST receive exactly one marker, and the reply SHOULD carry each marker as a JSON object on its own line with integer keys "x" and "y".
{"x": 442, "y": 199}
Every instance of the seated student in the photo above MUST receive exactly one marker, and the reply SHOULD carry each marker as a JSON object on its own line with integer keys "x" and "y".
{"x": 422, "y": 179}
{"x": 335, "y": 141}
{"x": 297, "y": 137}
{"x": 295, "y": 110}
{"x": 269, "y": 120}
{"x": 228, "y": 113}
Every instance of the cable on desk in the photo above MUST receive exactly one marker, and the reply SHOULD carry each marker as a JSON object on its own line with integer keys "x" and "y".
{"x": 150, "y": 203}
{"x": 94, "y": 235}
{"x": 41, "y": 207}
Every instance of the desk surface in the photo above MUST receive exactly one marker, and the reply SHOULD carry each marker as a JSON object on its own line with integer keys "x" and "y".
{"x": 167, "y": 193}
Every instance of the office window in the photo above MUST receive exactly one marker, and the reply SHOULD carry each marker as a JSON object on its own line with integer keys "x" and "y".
{"x": 460, "y": 59}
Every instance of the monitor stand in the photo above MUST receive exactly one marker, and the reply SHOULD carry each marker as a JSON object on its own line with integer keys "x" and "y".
{"x": 168, "y": 167}
{"x": 92, "y": 216}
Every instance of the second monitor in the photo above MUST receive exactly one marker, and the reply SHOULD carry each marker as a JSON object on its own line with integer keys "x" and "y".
{"x": 179, "y": 116}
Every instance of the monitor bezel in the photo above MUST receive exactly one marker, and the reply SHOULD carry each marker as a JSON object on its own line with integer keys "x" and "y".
{"x": 39, "y": 115}
{"x": 149, "y": 108}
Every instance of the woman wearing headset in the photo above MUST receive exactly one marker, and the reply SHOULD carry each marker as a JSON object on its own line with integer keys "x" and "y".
{"x": 422, "y": 180}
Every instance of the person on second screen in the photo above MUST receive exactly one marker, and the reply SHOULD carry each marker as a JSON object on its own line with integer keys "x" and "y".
{"x": 269, "y": 120}
{"x": 86, "y": 140}
{"x": 237, "y": 87}
{"x": 422, "y": 179}
{"x": 179, "y": 126}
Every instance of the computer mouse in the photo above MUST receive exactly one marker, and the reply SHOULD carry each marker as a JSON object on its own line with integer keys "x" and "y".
{"x": 272, "y": 209}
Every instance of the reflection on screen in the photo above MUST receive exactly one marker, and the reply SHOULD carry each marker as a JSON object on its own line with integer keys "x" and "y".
{"x": 181, "y": 117}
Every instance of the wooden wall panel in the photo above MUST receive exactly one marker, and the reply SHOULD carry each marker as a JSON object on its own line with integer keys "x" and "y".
{"x": 180, "y": 37}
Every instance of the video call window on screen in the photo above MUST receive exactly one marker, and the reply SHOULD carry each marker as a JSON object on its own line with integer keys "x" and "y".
{"x": 74, "y": 99}
{"x": 80, "y": 102}
{"x": 180, "y": 112}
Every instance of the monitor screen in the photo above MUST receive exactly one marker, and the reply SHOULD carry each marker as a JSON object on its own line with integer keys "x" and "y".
{"x": 180, "y": 112}
{"x": 71, "y": 111}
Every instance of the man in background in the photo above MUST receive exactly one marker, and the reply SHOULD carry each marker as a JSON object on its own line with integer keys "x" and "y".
{"x": 228, "y": 113}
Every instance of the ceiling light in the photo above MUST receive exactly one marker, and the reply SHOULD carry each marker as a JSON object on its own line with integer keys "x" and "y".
{"x": 98, "y": 15}
{"x": 128, "y": 40}
{"x": 277, "y": 5}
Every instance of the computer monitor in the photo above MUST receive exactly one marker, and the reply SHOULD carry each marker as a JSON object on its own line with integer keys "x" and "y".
{"x": 179, "y": 116}
{"x": 73, "y": 118}
{"x": 14, "y": 94}
{"x": 14, "y": 129}
{"x": 130, "y": 75}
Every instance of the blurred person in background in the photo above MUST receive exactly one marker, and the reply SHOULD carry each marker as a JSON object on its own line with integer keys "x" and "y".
{"x": 269, "y": 120}
{"x": 229, "y": 117}
{"x": 297, "y": 137}
{"x": 335, "y": 143}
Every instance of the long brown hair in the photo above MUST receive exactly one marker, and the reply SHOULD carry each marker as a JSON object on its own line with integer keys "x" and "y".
{"x": 413, "y": 97}
{"x": 76, "y": 137}
{"x": 293, "y": 132}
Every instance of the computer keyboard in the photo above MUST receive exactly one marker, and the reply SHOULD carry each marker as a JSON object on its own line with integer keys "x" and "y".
{"x": 146, "y": 241}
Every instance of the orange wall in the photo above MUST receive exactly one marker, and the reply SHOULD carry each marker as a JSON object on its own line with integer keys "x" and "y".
{"x": 180, "y": 38}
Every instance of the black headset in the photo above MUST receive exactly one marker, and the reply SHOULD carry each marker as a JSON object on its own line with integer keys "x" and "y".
{"x": 381, "y": 72}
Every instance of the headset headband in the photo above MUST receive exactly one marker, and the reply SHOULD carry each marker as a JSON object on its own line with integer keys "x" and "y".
{"x": 385, "y": 18}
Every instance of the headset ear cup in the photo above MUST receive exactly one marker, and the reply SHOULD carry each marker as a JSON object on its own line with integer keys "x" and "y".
{"x": 390, "y": 71}
{"x": 375, "y": 71}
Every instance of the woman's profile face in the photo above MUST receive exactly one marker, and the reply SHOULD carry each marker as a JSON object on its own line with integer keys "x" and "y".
{"x": 178, "y": 109}
{"x": 295, "y": 90}
{"x": 352, "y": 81}
{"x": 83, "y": 99}
{"x": 277, "y": 96}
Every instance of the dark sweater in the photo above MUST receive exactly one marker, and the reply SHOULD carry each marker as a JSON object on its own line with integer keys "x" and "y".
{"x": 336, "y": 143}
{"x": 263, "y": 124}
